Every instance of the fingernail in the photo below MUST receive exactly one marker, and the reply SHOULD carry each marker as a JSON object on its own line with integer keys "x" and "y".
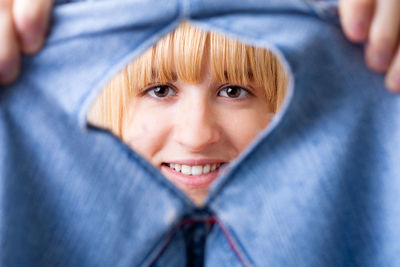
{"x": 393, "y": 82}
{"x": 7, "y": 74}
{"x": 359, "y": 29}
{"x": 31, "y": 42}
{"x": 379, "y": 60}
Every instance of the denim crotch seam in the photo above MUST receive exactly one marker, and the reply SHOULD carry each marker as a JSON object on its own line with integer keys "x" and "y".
{"x": 209, "y": 221}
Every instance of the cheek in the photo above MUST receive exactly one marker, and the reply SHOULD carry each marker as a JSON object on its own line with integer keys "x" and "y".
{"x": 242, "y": 127}
{"x": 145, "y": 132}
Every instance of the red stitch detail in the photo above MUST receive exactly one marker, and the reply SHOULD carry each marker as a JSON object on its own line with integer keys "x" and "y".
{"x": 210, "y": 220}
{"x": 169, "y": 239}
{"x": 231, "y": 243}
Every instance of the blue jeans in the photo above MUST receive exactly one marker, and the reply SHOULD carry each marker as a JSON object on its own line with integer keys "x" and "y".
{"x": 318, "y": 187}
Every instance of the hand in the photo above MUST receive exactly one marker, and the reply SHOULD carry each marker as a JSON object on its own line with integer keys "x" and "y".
{"x": 23, "y": 26}
{"x": 376, "y": 22}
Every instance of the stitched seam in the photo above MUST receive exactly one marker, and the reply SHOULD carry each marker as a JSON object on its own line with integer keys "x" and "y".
{"x": 232, "y": 244}
{"x": 210, "y": 221}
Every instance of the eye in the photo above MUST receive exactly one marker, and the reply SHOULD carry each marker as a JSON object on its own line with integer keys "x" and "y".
{"x": 161, "y": 91}
{"x": 233, "y": 92}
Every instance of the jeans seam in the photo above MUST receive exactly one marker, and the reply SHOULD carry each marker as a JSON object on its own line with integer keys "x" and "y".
{"x": 233, "y": 244}
{"x": 174, "y": 231}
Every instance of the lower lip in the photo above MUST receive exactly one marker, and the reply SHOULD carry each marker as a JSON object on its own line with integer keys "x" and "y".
{"x": 191, "y": 181}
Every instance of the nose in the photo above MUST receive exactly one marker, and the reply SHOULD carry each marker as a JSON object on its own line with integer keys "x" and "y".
{"x": 196, "y": 125}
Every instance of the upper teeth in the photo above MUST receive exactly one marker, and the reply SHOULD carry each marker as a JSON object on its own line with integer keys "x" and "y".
{"x": 194, "y": 170}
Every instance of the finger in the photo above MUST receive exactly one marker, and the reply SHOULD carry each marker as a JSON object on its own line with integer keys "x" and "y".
{"x": 392, "y": 79}
{"x": 31, "y": 20}
{"x": 356, "y": 16}
{"x": 384, "y": 35}
{"x": 9, "y": 50}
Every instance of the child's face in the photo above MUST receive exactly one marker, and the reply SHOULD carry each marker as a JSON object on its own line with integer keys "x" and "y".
{"x": 189, "y": 130}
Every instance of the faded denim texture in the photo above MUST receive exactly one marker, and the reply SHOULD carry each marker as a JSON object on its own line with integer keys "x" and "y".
{"x": 319, "y": 187}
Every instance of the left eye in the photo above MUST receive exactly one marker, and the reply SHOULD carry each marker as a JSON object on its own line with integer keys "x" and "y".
{"x": 161, "y": 91}
{"x": 233, "y": 92}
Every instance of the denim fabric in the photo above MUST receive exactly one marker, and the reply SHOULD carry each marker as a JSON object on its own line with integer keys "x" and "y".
{"x": 319, "y": 187}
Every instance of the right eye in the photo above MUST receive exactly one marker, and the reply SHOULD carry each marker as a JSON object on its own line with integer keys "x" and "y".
{"x": 161, "y": 91}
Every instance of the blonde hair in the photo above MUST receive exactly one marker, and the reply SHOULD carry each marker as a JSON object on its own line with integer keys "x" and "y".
{"x": 179, "y": 55}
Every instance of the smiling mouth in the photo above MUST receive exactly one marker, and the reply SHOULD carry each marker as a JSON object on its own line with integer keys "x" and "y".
{"x": 192, "y": 176}
{"x": 195, "y": 169}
